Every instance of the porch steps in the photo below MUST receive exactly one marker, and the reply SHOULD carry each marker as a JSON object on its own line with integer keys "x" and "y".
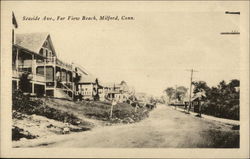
{"x": 59, "y": 93}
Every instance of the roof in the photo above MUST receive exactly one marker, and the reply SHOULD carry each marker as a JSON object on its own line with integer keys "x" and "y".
{"x": 20, "y": 47}
{"x": 87, "y": 79}
{"x": 32, "y": 41}
{"x": 111, "y": 85}
{"x": 81, "y": 69}
{"x": 198, "y": 95}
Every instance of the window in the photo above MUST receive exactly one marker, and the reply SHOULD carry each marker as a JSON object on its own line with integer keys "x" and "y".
{"x": 41, "y": 51}
{"x": 45, "y": 43}
{"x": 50, "y": 54}
{"x": 40, "y": 70}
{"x": 46, "y": 52}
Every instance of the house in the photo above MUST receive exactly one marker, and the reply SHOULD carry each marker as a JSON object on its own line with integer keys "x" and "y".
{"x": 118, "y": 92}
{"x": 34, "y": 53}
{"x": 24, "y": 60}
{"x": 87, "y": 87}
{"x": 196, "y": 102}
{"x": 34, "y": 57}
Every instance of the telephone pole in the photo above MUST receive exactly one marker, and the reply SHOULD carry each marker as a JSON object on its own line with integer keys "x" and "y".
{"x": 190, "y": 89}
{"x": 175, "y": 96}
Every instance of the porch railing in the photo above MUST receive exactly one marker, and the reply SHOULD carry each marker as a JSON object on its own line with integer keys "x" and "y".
{"x": 52, "y": 60}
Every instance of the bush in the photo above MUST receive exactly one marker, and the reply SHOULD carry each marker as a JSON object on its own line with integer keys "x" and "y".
{"x": 222, "y": 101}
{"x": 18, "y": 133}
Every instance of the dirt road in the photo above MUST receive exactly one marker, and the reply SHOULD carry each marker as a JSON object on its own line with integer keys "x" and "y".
{"x": 164, "y": 128}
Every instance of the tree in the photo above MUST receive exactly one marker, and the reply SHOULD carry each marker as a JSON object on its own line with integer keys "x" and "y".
{"x": 200, "y": 90}
{"x": 24, "y": 83}
{"x": 221, "y": 101}
{"x": 170, "y": 92}
{"x": 200, "y": 86}
{"x": 180, "y": 93}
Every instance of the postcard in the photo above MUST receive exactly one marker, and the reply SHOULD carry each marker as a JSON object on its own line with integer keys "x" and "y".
{"x": 125, "y": 79}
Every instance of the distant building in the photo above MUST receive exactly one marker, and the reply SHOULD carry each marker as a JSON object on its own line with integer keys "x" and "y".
{"x": 118, "y": 92}
{"x": 88, "y": 87}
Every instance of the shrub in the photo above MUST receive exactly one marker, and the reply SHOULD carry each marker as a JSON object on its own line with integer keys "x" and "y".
{"x": 26, "y": 105}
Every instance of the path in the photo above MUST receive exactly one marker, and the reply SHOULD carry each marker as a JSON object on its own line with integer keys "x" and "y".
{"x": 164, "y": 128}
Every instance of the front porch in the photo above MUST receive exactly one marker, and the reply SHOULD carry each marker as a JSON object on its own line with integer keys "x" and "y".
{"x": 25, "y": 62}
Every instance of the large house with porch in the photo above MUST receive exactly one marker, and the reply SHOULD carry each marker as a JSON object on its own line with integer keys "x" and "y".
{"x": 34, "y": 54}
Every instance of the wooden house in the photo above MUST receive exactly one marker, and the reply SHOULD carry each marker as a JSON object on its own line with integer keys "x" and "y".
{"x": 88, "y": 86}
{"x": 34, "y": 53}
{"x": 118, "y": 92}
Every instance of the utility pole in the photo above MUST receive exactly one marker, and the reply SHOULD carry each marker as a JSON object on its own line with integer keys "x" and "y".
{"x": 190, "y": 89}
{"x": 175, "y": 96}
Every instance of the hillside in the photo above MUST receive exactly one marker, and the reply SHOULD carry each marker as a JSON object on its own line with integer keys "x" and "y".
{"x": 36, "y": 118}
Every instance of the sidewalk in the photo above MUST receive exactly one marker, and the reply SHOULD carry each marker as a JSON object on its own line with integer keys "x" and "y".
{"x": 222, "y": 120}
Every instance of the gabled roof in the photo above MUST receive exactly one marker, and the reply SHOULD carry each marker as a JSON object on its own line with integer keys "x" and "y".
{"x": 87, "y": 79}
{"x": 111, "y": 85}
{"x": 33, "y": 41}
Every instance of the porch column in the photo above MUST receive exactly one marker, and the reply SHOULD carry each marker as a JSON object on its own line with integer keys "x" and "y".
{"x": 33, "y": 88}
{"x": 17, "y": 54}
{"x": 55, "y": 80}
{"x": 67, "y": 76}
{"x": 33, "y": 65}
{"x": 45, "y": 74}
{"x": 33, "y": 73}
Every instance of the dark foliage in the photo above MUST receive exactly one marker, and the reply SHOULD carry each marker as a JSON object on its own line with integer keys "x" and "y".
{"x": 18, "y": 133}
{"x": 24, "y": 82}
{"x": 26, "y": 105}
{"x": 221, "y": 101}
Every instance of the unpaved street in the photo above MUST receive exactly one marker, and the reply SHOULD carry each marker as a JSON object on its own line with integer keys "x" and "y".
{"x": 165, "y": 127}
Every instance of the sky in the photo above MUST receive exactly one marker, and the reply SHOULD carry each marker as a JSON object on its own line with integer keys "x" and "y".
{"x": 150, "y": 53}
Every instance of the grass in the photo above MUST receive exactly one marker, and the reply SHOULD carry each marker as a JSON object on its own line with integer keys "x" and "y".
{"x": 122, "y": 112}
{"x": 23, "y": 104}
{"x": 29, "y": 106}
{"x": 222, "y": 139}
{"x": 75, "y": 113}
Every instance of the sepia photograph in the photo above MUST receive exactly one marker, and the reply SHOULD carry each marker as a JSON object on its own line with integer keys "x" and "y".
{"x": 141, "y": 76}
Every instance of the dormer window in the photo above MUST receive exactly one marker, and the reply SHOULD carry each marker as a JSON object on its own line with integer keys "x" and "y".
{"x": 50, "y": 54}
{"x": 45, "y": 43}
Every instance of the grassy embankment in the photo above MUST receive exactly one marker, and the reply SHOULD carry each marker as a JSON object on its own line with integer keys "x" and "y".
{"x": 75, "y": 114}
{"x": 122, "y": 112}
